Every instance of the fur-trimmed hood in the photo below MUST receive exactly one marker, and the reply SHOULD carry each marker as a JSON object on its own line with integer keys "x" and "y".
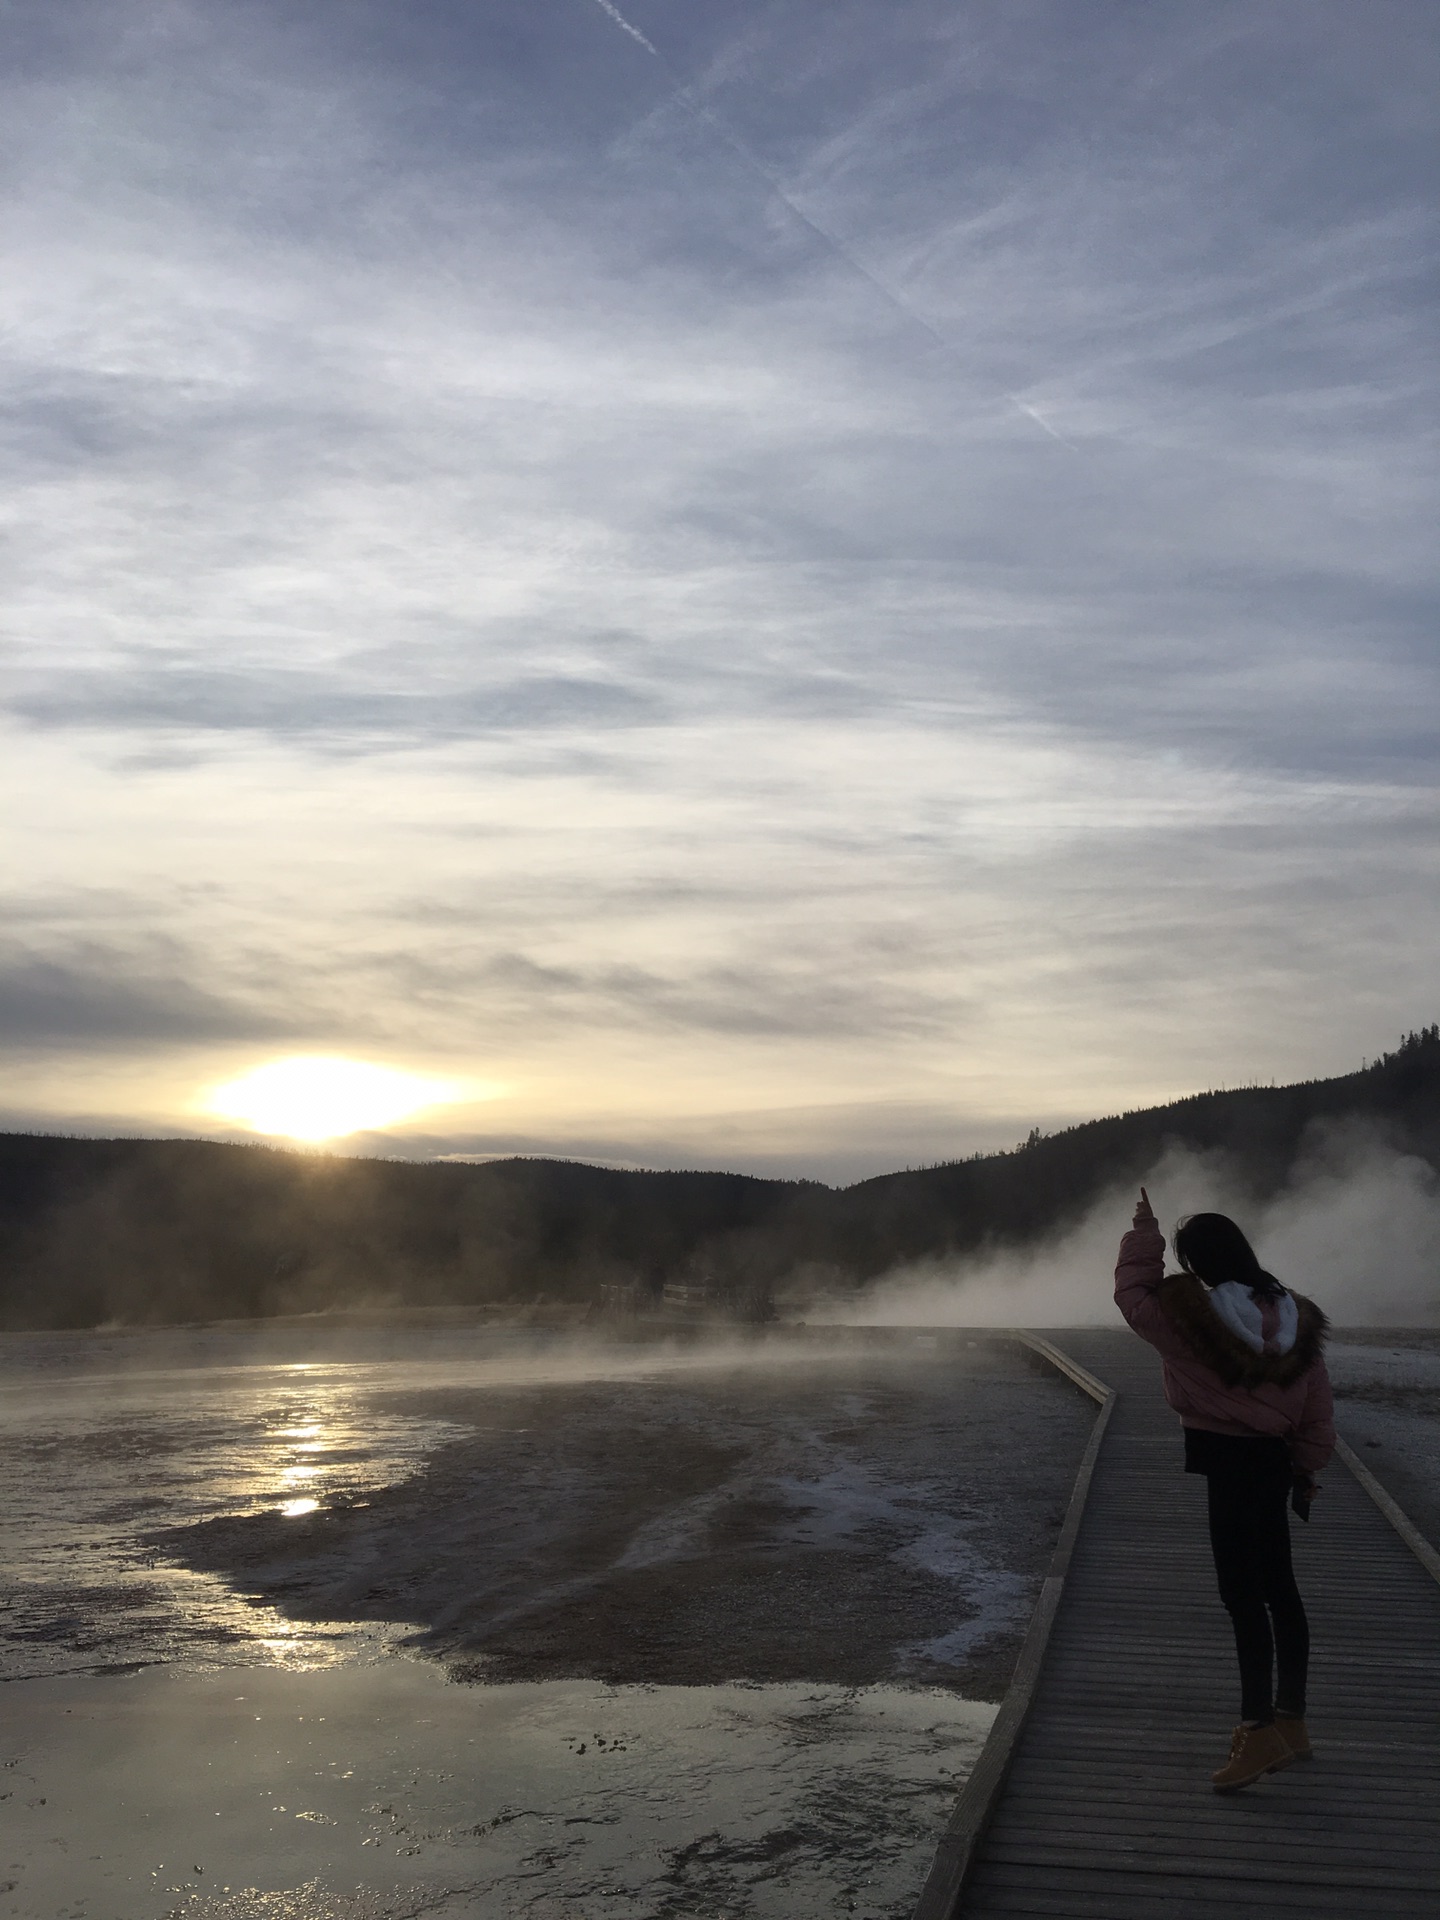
{"x": 1185, "y": 1302}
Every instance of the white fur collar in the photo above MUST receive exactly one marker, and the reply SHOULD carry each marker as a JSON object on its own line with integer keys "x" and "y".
{"x": 1240, "y": 1311}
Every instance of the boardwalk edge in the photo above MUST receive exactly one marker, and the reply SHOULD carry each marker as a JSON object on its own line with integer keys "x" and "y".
{"x": 1392, "y": 1510}
{"x": 939, "y": 1898}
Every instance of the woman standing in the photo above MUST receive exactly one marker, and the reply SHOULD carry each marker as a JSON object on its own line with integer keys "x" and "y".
{"x": 1245, "y": 1370}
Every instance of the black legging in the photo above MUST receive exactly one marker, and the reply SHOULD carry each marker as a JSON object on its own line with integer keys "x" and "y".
{"x": 1250, "y": 1537}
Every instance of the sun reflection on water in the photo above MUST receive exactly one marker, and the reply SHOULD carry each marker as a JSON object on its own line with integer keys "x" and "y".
{"x": 316, "y": 1438}
{"x": 105, "y": 1468}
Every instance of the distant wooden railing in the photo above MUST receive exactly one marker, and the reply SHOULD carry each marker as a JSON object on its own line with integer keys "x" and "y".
{"x": 1393, "y": 1511}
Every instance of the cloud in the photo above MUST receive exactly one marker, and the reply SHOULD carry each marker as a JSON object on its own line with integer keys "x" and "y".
{"x": 798, "y": 995}
{"x": 941, "y": 617}
{"x": 146, "y": 695}
{"x": 94, "y": 996}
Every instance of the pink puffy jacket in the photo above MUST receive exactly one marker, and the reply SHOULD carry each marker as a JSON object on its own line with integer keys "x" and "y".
{"x": 1213, "y": 1378}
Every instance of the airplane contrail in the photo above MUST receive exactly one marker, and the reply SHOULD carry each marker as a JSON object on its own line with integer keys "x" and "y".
{"x": 699, "y": 111}
{"x": 625, "y": 27}
{"x": 1034, "y": 414}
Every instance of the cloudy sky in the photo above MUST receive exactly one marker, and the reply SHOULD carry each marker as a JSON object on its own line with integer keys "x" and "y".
{"x": 793, "y": 584}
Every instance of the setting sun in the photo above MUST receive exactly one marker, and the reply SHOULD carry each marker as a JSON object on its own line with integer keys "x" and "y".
{"x": 320, "y": 1097}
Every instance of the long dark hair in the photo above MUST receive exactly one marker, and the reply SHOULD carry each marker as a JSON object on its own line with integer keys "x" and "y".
{"x": 1213, "y": 1248}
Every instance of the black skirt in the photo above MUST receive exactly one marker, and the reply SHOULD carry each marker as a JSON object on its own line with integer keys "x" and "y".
{"x": 1234, "y": 1456}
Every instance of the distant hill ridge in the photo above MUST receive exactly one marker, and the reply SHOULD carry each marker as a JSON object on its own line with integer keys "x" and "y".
{"x": 93, "y": 1231}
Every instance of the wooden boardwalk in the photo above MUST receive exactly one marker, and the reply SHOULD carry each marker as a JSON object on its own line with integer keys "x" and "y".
{"x": 1107, "y": 1811}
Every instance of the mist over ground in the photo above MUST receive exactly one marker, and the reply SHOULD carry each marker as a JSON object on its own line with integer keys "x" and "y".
{"x": 1357, "y": 1227}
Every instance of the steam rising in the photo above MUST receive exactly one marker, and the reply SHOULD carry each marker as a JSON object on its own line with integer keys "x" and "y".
{"x": 1357, "y": 1227}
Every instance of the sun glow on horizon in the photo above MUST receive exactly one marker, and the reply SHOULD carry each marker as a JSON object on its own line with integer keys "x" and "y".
{"x": 315, "y": 1097}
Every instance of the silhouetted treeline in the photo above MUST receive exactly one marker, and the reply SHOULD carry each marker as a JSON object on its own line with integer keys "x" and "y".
{"x": 163, "y": 1230}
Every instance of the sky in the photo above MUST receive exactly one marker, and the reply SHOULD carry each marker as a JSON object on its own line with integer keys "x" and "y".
{"x": 787, "y": 585}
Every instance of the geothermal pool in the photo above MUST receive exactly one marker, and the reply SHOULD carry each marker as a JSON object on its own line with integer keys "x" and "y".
{"x": 323, "y": 1621}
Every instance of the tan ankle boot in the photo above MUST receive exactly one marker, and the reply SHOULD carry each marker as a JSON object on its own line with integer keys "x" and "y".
{"x": 1291, "y": 1729}
{"x": 1253, "y": 1751}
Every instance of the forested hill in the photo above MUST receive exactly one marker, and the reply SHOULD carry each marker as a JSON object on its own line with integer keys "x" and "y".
{"x": 1048, "y": 1183}
{"x": 155, "y": 1230}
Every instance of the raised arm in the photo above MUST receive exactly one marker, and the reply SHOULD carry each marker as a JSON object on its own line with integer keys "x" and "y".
{"x": 1139, "y": 1271}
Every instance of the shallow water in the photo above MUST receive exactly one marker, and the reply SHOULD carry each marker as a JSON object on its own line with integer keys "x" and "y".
{"x": 382, "y": 1790}
{"x": 105, "y": 1436}
{"x": 94, "y": 1461}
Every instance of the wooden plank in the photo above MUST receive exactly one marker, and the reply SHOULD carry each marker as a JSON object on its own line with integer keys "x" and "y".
{"x": 1186, "y": 1903}
{"x": 1372, "y": 1782}
{"x": 1039, "y": 1828}
{"x": 1215, "y": 1863}
{"x": 1182, "y": 1788}
{"x": 1098, "y": 1881}
{"x": 1115, "y": 1777}
{"x": 1283, "y": 1825}
{"x": 1358, "y": 1812}
{"x": 1297, "y": 1811}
